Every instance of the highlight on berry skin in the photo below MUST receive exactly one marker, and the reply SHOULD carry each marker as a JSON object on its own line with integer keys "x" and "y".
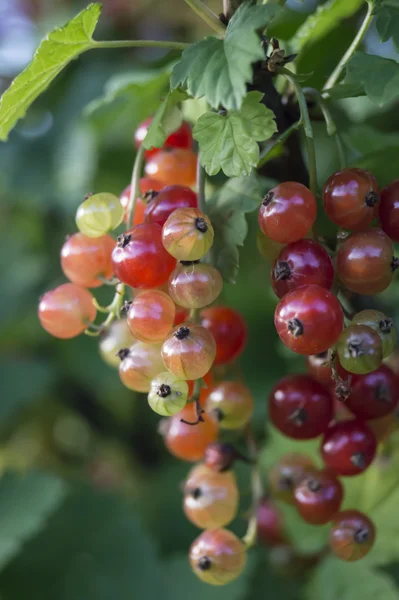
{"x": 66, "y": 311}
{"x": 217, "y": 557}
{"x": 150, "y": 316}
{"x": 231, "y": 403}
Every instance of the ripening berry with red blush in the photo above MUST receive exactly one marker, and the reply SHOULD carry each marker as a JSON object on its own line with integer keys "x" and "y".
{"x": 181, "y": 138}
{"x": 66, "y": 311}
{"x": 161, "y": 205}
{"x": 269, "y": 523}
{"x": 352, "y": 535}
{"x": 173, "y": 166}
{"x": 318, "y": 497}
{"x": 229, "y": 331}
{"x": 147, "y": 186}
{"x": 218, "y": 556}
{"x": 85, "y": 259}
{"x": 348, "y": 447}
{"x": 389, "y": 210}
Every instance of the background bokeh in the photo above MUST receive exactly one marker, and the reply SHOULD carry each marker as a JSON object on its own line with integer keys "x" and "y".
{"x": 120, "y": 531}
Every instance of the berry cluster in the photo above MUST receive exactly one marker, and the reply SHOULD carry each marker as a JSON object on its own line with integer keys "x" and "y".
{"x": 161, "y": 331}
{"x": 349, "y": 395}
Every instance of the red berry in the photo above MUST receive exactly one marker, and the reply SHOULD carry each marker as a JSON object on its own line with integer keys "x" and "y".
{"x": 195, "y": 285}
{"x": 373, "y": 395}
{"x": 287, "y": 212}
{"x": 351, "y": 198}
{"x": 173, "y": 166}
{"x": 150, "y": 316}
{"x": 181, "y": 315}
{"x": 229, "y": 330}
{"x": 181, "y": 138}
{"x": 389, "y": 210}
{"x": 218, "y": 556}
{"x": 309, "y": 319}
{"x": 300, "y": 263}
{"x": 139, "y": 258}
{"x": 320, "y": 368}
{"x": 352, "y": 535}
{"x": 348, "y": 447}
{"x": 365, "y": 262}
{"x": 269, "y": 523}
{"x": 300, "y": 407}
{"x": 318, "y": 497}
{"x": 146, "y": 185}
{"x": 189, "y": 442}
{"x": 161, "y": 206}
{"x": 66, "y": 311}
{"x": 83, "y": 259}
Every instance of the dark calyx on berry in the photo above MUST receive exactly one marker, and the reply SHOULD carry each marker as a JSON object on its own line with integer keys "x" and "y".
{"x": 201, "y": 224}
{"x": 123, "y": 353}
{"x": 182, "y": 333}
{"x": 282, "y": 270}
{"x": 358, "y": 459}
{"x": 123, "y": 240}
{"x": 187, "y": 263}
{"x": 372, "y": 199}
{"x": 299, "y": 416}
{"x": 285, "y": 483}
{"x": 196, "y": 493}
{"x": 163, "y": 390}
{"x": 220, "y": 456}
{"x": 218, "y": 414}
{"x": 295, "y": 327}
{"x": 313, "y": 485}
{"x": 150, "y": 195}
{"x": 383, "y": 393}
{"x": 88, "y": 195}
{"x": 395, "y": 263}
{"x": 385, "y": 325}
{"x": 126, "y": 306}
{"x": 355, "y": 349}
{"x": 268, "y": 198}
{"x": 204, "y": 563}
{"x": 343, "y": 390}
{"x": 361, "y": 536}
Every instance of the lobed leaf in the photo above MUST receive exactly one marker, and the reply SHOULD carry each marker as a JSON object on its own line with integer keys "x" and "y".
{"x": 387, "y": 21}
{"x": 166, "y": 120}
{"x": 54, "y": 53}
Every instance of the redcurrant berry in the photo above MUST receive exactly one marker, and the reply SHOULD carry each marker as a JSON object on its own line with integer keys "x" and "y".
{"x": 365, "y": 262}
{"x": 181, "y": 315}
{"x": 300, "y": 407}
{"x": 195, "y": 285}
{"x": 116, "y": 337}
{"x": 231, "y": 403}
{"x": 374, "y": 395}
{"x": 170, "y": 198}
{"x": 309, "y": 320}
{"x": 269, "y": 522}
{"x": 351, "y": 198}
{"x": 210, "y": 498}
{"x": 189, "y": 351}
{"x": 352, "y": 535}
{"x": 173, "y": 166}
{"x": 300, "y": 263}
{"x": 139, "y": 365}
{"x": 151, "y": 316}
{"x": 287, "y": 212}
{"x": 348, "y": 447}
{"x": 187, "y": 234}
{"x": 66, "y": 311}
{"x": 360, "y": 349}
{"x": 389, "y": 210}
{"x": 287, "y": 473}
{"x": 318, "y": 497}
{"x": 320, "y": 367}
{"x": 146, "y": 185}
{"x": 84, "y": 259}
{"x": 217, "y": 557}
{"x": 139, "y": 258}
{"x": 99, "y": 214}
{"x": 229, "y": 331}
{"x": 168, "y": 394}
{"x": 382, "y": 324}
{"x": 189, "y": 442}
{"x": 181, "y": 138}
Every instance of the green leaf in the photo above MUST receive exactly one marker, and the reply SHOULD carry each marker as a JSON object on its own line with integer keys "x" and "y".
{"x": 379, "y": 77}
{"x": 387, "y": 21}
{"x": 26, "y": 502}
{"x": 166, "y": 120}
{"x": 229, "y": 142}
{"x": 306, "y": 538}
{"x": 54, "y": 53}
{"x": 220, "y": 69}
{"x": 323, "y": 20}
{"x": 349, "y": 581}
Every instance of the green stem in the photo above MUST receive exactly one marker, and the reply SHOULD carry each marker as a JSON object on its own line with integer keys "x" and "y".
{"x": 201, "y": 185}
{"x": 141, "y": 44}
{"x": 135, "y": 185}
{"x": 207, "y": 15}
{"x": 307, "y": 128}
{"x": 114, "y": 312}
{"x": 280, "y": 139}
{"x": 336, "y": 74}
{"x": 250, "y": 536}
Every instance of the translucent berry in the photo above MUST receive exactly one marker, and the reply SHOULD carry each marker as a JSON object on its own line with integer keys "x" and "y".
{"x": 66, "y": 311}
{"x": 173, "y": 166}
{"x": 210, "y": 498}
{"x": 181, "y": 138}
{"x": 84, "y": 259}
{"x": 189, "y": 442}
{"x": 139, "y": 365}
{"x": 309, "y": 320}
{"x": 151, "y": 316}
{"x": 116, "y": 337}
{"x": 382, "y": 324}
{"x": 168, "y": 199}
{"x": 217, "y": 557}
{"x": 374, "y": 395}
{"x": 146, "y": 185}
{"x": 287, "y": 473}
{"x": 99, "y": 214}
{"x": 287, "y": 212}
{"x": 189, "y": 351}
{"x": 187, "y": 234}
{"x": 168, "y": 395}
{"x": 360, "y": 349}
{"x": 231, "y": 403}
{"x": 365, "y": 262}
{"x": 300, "y": 263}
{"x": 269, "y": 522}
{"x": 351, "y": 198}
{"x": 195, "y": 285}
{"x": 348, "y": 447}
{"x": 389, "y": 210}
{"x": 139, "y": 258}
{"x": 229, "y": 331}
{"x": 300, "y": 407}
{"x": 352, "y": 535}
{"x": 318, "y": 497}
